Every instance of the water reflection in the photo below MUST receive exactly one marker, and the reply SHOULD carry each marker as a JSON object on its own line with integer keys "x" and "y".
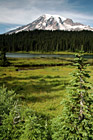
{"x": 27, "y": 55}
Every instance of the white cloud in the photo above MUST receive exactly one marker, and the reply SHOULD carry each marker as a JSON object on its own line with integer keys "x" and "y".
{"x": 80, "y": 17}
{"x": 25, "y": 11}
{"x": 77, "y": 16}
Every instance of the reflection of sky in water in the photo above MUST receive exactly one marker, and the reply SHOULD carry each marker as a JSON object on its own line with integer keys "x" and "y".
{"x": 24, "y": 55}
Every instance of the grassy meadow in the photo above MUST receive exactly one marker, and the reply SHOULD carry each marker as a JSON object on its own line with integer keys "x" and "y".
{"x": 40, "y": 82}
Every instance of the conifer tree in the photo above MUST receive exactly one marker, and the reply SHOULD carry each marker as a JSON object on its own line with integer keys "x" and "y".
{"x": 4, "y": 62}
{"x": 76, "y": 121}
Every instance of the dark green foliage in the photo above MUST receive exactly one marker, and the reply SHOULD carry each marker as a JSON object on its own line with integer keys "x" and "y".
{"x": 76, "y": 122}
{"x": 24, "y": 124}
{"x": 18, "y": 122}
{"x": 12, "y": 123}
{"x": 6, "y": 101}
{"x": 6, "y": 104}
{"x": 48, "y": 41}
{"x": 4, "y": 62}
{"x": 36, "y": 127}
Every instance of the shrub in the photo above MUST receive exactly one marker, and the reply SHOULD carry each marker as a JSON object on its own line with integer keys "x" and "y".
{"x": 76, "y": 121}
{"x": 18, "y": 122}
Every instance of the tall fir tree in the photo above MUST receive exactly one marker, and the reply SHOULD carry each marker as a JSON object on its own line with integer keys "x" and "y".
{"x": 76, "y": 121}
{"x": 4, "y": 62}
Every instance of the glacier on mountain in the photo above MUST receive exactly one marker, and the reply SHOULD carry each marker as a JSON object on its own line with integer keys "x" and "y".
{"x": 52, "y": 22}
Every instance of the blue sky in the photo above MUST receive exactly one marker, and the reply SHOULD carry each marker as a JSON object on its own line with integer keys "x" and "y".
{"x": 15, "y": 13}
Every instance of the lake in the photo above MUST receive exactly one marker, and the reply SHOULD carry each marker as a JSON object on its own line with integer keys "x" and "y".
{"x": 28, "y": 55}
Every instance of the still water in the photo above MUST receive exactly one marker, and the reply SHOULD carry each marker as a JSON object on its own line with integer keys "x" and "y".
{"x": 27, "y": 55}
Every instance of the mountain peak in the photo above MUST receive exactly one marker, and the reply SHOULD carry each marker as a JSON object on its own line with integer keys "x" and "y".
{"x": 47, "y": 16}
{"x": 52, "y": 22}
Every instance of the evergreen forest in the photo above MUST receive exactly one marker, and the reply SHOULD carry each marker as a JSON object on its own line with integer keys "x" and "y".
{"x": 47, "y": 41}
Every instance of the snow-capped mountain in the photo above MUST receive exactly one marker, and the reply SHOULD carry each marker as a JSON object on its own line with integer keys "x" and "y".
{"x": 52, "y": 22}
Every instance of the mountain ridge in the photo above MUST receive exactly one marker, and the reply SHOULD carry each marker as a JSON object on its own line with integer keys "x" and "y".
{"x": 52, "y": 22}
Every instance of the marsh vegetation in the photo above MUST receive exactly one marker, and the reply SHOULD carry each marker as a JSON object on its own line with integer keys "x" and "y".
{"x": 33, "y": 99}
{"x": 40, "y": 82}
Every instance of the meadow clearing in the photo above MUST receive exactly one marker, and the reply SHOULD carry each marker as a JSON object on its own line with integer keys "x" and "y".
{"x": 40, "y": 82}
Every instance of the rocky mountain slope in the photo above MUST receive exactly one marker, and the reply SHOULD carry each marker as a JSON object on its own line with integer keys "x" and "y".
{"x": 52, "y": 22}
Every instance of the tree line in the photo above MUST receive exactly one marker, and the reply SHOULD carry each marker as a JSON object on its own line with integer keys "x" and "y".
{"x": 47, "y": 41}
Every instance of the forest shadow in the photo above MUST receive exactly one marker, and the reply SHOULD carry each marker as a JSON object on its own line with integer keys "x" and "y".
{"x": 7, "y": 78}
{"x": 37, "y": 84}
